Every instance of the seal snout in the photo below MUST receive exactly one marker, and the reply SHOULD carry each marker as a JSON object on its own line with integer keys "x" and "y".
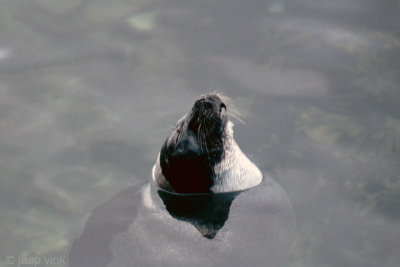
{"x": 210, "y": 104}
{"x": 208, "y": 116}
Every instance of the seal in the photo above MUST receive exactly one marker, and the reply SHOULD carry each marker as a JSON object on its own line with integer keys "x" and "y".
{"x": 194, "y": 211}
{"x": 200, "y": 155}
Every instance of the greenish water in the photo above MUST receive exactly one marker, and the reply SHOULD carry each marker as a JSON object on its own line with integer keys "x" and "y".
{"x": 89, "y": 90}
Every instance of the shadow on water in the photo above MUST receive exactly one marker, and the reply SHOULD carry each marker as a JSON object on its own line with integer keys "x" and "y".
{"x": 207, "y": 212}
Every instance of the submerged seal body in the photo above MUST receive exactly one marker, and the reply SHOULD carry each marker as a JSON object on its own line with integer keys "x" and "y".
{"x": 201, "y": 155}
{"x": 147, "y": 226}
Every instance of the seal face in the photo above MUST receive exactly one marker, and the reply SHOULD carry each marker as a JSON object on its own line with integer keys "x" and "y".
{"x": 200, "y": 154}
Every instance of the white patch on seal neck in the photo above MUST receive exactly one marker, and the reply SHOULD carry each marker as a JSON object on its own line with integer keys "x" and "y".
{"x": 146, "y": 197}
{"x": 235, "y": 172}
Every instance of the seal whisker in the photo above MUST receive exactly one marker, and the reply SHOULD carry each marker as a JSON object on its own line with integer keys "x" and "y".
{"x": 199, "y": 132}
{"x": 237, "y": 117}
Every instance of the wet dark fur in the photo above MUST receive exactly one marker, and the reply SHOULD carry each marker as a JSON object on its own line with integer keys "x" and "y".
{"x": 190, "y": 153}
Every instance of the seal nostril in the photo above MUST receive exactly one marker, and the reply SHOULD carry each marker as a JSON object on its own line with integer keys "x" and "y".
{"x": 222, "y": 106}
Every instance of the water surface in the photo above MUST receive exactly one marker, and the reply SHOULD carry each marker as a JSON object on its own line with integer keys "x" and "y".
{"x": 90, "y": 89}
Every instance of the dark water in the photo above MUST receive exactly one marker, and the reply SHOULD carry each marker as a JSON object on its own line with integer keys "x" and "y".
{"x": 89, "y": 90}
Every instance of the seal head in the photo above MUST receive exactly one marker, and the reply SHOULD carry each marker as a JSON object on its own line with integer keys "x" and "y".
{"x": 200, "y": 153}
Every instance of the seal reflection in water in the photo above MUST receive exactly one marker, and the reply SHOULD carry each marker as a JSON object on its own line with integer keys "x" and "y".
{"x": 207, "y": 205}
